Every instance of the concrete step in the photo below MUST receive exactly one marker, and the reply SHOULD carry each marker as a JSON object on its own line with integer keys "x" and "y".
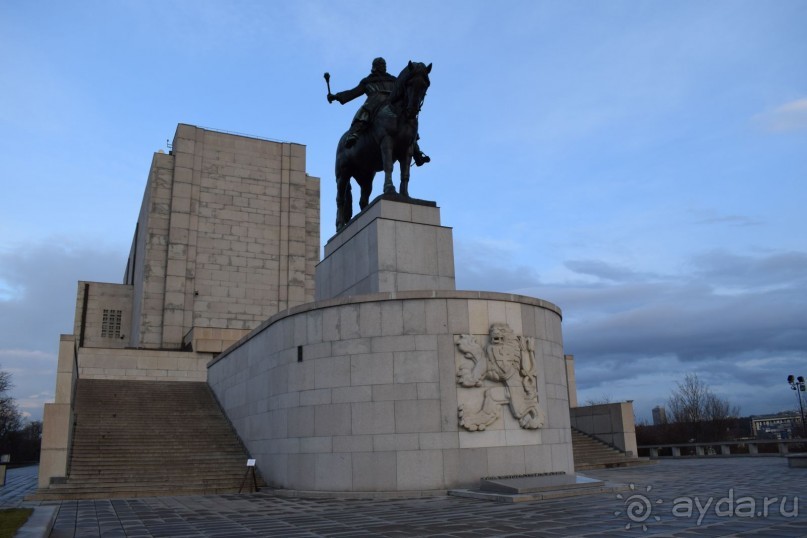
{"x": 144, "y": 438}
{"x": 591, "y": 453}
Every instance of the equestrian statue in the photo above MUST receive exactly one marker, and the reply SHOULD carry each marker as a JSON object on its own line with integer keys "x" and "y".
{"x": 384, "y": 130}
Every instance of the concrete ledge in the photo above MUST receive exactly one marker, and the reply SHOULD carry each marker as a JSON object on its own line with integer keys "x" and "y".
{"x": 351, "y": 495}
{"x": 606, "y": 487}
{"x": 389, "y": 296}
{"x": 39, "y": 524}
{"x": 797, "y": 461}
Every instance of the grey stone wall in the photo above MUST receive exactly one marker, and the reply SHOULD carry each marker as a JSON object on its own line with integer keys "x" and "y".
{"x": 102, "y": 296}
{"x": 149, "y": 253}
{"x": 361, "y": 394}
{"x": 612, "y": 423}
{"x": 227, "y": 236}
{"x": 391, "y": 246}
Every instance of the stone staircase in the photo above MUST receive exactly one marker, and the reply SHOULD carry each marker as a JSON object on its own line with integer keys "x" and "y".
{"x": 591, "y": 453}
{"x": 149, "y": 438}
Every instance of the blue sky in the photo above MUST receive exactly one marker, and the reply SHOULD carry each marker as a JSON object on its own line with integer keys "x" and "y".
{"x": 640, "y": 164}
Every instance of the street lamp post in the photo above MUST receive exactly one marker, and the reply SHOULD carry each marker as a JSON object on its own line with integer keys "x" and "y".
{"x": 797, "y": 384}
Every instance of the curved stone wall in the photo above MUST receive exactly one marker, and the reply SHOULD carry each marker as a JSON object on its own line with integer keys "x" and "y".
{"x": 361, "y": 394}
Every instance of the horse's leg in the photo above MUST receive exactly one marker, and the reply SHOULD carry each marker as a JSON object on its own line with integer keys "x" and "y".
{"x": 347, "y": 211}
{"x": 344, "y": 201}
{"x": 388, "y": 160}
{"x": 404, "y": 164}
{"x": 366, "y": 184}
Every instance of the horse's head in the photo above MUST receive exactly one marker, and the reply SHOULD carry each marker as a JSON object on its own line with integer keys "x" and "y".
{"x": 411, "y": 87}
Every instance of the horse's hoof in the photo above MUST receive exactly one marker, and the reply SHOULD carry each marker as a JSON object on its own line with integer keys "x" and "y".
{"x": 389, "y": 190}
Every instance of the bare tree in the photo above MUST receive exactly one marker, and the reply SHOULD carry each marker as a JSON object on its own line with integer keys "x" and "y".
{"x": 10, "y": 418}
{"x": 603, "y": 399}
{"x": 703, "y": 415}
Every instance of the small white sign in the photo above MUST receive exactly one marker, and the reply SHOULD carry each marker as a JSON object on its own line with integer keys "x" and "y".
{"x": 250, "y": 463}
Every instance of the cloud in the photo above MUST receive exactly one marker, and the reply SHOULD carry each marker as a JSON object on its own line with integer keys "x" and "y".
{"x": 788, "y": 117}
{"x": 740, "y": 221}
{"x": 489, "y": 265}
{"x": 604, "y": 271}
{"x": 40, "y": 280}
{"x": 739, "y": 320}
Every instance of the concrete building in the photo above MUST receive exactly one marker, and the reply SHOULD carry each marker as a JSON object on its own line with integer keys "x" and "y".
{"x": 227, "y": 236}
{"x": 659, "y": 415}
{"x": 784, "y": 425}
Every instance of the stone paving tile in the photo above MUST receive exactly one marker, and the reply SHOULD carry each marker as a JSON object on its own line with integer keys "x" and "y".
{"x": 20, "y": 481}
{"x": 261, "y": 514}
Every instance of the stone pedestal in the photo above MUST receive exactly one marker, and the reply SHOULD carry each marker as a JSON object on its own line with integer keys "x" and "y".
{"x": 391, "y": 246}
{"x": 383, "y": 383}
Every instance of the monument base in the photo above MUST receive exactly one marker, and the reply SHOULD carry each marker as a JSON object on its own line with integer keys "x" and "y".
{"x": 386, "y": 384}
{"x": 395, "y": 244}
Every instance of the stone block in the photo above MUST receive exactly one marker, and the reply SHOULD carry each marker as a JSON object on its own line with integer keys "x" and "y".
{"x": 301, "y": 422}
{"x": 420, "y": 470}
{"x": 301, "y": 376}
{"x": 375, "y": 471}
{"x": 463, "y": 468}
{"x": 483, "y": 439}
{"x": 503, "y": 461}
{"x": 52, "y": 463}
{"x": 334, "y": 419}
{"x": 352, "y": 394}
{"x": 371, "y": 369}
{"x": 370, "y": 319}
{"x": 334, "y": 472}
{"x": 352, "y": 443}
{"x": 355, "y": 346}
{"x": 315, "y": 445}
{"x": 478, "y": 317}
{"x": 349, "y": 322}
{"x": 395, "y": 441}
{"x": 332, "y": 372}
{"x": 428, "y": 391}
{"x": 436, "y": 317}
{"x": 391, "y": 318}
{"x": 302, "y": 471}
{"x": 373, "y": 418}
{"x": 315, "y": 397}
{"x": 538, "y": 458}
{"x": 417, "y": 416}
{"x": 415, "y": 367}
{"x": 395, "y": 391}
{"x": 392, "y": 343}
{"x": 562, "y": 458}
{"x": 57, "y": 419}
{"x": 438, "y": 440}
{"x": 414, "y": 317}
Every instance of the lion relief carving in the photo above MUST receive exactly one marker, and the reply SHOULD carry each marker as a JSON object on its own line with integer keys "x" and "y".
{"x": 508, "y": 361}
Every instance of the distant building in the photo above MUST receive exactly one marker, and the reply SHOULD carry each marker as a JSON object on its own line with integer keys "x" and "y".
{"x": 659, "y": 415}
{"x": 784, "y": 425}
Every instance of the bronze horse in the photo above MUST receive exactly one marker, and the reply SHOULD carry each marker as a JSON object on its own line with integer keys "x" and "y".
{"x": 390, "y": 137}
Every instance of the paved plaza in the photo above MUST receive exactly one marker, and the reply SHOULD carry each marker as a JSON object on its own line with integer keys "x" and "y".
{"x": 695, "y": 497}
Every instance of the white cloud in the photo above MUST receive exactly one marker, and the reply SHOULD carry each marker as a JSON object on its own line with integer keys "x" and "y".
{"x": 788, "y": 117}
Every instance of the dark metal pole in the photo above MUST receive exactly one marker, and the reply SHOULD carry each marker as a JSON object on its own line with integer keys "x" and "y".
{"x": 797, "y": 384}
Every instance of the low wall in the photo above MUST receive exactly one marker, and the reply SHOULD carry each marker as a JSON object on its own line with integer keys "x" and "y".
{"x": 612, "y": 423}
{"x": 142, "y": 365}
{"x": 57, "y": 418}
{"x": 361, "y": 393}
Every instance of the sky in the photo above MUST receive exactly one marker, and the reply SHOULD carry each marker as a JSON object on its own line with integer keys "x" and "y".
{"x": 639, "y": 164}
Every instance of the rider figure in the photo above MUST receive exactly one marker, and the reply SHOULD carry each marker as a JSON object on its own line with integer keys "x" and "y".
{"x": 377, "y": 86}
